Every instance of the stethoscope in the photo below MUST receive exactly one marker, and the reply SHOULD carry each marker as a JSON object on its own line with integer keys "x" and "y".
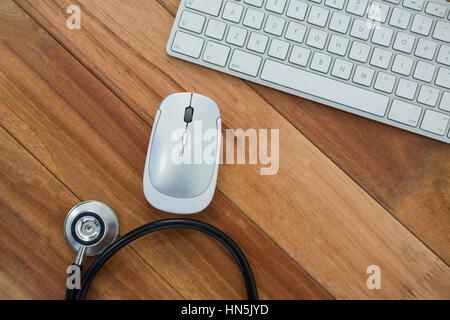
{"x": 91, "y": 229}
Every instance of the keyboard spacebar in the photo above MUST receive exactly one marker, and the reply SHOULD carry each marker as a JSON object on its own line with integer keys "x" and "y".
{"x": 325, "y": 88}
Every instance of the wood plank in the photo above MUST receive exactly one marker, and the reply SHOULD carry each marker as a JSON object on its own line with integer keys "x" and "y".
{"x": 34, "y": 253}
{"x": 323, "y": 219}
{"x": 408, "y": 174}
{"x": 96, "y": 146}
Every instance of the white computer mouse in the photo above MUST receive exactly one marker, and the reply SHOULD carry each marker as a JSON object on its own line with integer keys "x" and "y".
{"x": 183, "y": 155}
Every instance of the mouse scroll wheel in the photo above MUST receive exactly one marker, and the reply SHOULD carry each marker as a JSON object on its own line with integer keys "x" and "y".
{"x": 188, "y": 114}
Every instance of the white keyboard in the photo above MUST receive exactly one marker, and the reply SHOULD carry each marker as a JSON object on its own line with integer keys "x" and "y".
{"x": 387, "y": 60}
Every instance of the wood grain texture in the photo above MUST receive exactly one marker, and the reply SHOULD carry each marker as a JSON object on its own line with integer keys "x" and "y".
{"x": 95, "y": 145}
{"x": 34, "y": 254}
{"x": 324, "y": 220}
{"x": 408, "y": 174}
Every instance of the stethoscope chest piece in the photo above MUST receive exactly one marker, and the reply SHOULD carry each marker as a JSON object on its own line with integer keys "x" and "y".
{"x": 90, "y": 227}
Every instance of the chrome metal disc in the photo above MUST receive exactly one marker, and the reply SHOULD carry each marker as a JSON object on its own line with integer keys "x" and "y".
{"x": 91, "y": 224}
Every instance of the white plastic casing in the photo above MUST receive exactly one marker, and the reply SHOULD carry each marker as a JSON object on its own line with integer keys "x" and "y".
{"x": 181, "y": 205}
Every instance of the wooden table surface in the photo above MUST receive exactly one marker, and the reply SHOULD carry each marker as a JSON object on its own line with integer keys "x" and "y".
{"x": 76, "y": 111}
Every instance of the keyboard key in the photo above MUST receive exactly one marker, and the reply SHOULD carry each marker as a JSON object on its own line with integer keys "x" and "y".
{"x": 425, "y": 49}
{"x": 414, "y": 4}
{"x": 215, "y": 29}
{"x": 359, "y": 52}
{"x": 444, "y": 55}
{"x": 360, "y": 29}
{"x": 404, "y": 112}
{"x": 445, "y": 102}
{"x": 300, "y": 56}
{"x": 442, "y": 31}
{"x": 318, "y": 16}
{"x": 424, "y": 71}
{"x": 443, "y": 78}
{"x": 381, "y": 58}
{"x": 357, "y": 7}
{"x": 337, "y": 4}
{"x": 400, "y": 18}
{"x": 435, "y": 9}
{"x": 428, "y": 96}
{"x": 245, "y": 62}
{"x": 435, "y": 122}
{"x": 192, "y": 21}
{"x": 404, "y": 42}
{"x": 232, "y": 12}
{"x": 385, "y": 82}
{"x": 342, "y": 69}
{"x": 216, "y": 53}
{"x": 274, "y": 25}
{"x": 317, "y": 38}
{"x": 295, "y": 32}
{"x": 258, "y": 42}
{"x": 338, "y": 45}
{"x": 187, "y": 44}
{"x": 256, "y": 3}
{"x": 321, "y": 62}
{"x": 236, "y": 36}
{"x": 363, "y": 75}
{"x": 325, "y": 88}
{"x": 406, "y": 89}
{"x": 211, "y": 7}
{"x": 297, "y": 9}
{"x": 402, "y": 65}
{"x": 339, "y": 22}
{"x": 278, "y": 49}
{"x": 382, "y": 36}
{"x": 253, "y": 18}
{"x": 421, "y": 25}
{"x": 276, "y": 6}
{"x": 378, "y": 11}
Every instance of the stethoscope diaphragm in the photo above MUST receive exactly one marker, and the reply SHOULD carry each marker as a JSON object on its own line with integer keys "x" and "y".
{"x": 91, "y": 226}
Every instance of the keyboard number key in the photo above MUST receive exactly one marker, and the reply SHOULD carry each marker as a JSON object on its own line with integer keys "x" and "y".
{"x": 435, "y": 122}
{"x": 400, "y": 18}
{"x": 421, "y": 25}
{"x": 357, "y": 7}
